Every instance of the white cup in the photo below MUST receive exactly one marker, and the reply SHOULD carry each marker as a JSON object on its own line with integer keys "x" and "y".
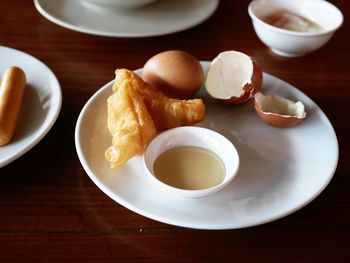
{"x": 289, "y": 43}
{"x": 120, "y": 3}
{"x": 198, "y": 137}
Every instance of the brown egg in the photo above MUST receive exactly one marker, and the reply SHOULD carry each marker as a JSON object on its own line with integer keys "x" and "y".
{"x": 278, "y": 111}
{"x": 233, "y": 77}
{"x": 176, "y": 73}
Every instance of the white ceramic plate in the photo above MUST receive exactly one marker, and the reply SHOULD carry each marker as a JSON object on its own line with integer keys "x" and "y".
{"x": 41, "y": 103}
{"x": 159, "y": 18}
{"x": 281, "y": 170}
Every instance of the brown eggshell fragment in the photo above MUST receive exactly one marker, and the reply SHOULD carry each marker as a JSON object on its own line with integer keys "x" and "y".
{"x": 279, "y": 111}
{"x": 233, "y": 77}
{"x": 176, "y": 73}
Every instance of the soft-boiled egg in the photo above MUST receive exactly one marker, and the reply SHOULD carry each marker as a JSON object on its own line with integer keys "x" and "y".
{"x": 176, "y": 73}
{"x": 233, "y": 77}
{"x": 279, "y": 111}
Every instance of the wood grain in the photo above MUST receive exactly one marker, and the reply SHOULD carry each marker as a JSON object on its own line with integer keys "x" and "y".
{"x": 50, "y": 211}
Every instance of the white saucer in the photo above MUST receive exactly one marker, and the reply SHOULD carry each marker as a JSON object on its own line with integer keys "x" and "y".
{"x": 41, "y": 105}
{"x": 281, "y": 170}
{"x": 159, "y": 18}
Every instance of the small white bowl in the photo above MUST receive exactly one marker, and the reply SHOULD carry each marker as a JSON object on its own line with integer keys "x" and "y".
{"x": 193, "y": 136}
{"x": 290, "y": 43}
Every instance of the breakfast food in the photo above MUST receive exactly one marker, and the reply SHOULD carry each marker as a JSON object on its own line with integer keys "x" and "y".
{"x": 129, "y": 123}
{"x": 233, "y": 77}
{"x": 138, "y": 109}
{"x": 166, "y": 112}
{"x": 176, "y": 73}
{"x": 136, "y": 112}
{"x": 278, "y": 111}
{"x": 12, "y": 89}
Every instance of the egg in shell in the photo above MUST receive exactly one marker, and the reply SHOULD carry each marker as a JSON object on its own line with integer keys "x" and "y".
{"x": 279, "y": 111}
{"x": 233, "y": 77}
{"x": 176, "y": 73}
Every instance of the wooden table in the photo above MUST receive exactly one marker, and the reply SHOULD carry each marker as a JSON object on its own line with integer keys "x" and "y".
{"x": 50, "y": 211}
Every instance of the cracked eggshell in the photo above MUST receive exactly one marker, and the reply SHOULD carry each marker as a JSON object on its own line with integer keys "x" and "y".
{"x": 233, "y": 77}
{"x": 279, "y": 111}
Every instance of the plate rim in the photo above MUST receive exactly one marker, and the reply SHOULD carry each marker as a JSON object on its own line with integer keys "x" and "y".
{"x": 180, "y": 223}
{"x": 67, "y": 25}
{"x": 49, "y": 122}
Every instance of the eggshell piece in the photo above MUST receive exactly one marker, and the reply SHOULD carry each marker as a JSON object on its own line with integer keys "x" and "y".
{"x": 279, "y": 111}
{"x": 176, "y": 73}
{"x": 233, "y": 77}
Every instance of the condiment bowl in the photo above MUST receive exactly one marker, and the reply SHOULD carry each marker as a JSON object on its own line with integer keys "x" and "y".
{"x": 193, "y": 136}
{"x": 293, "y": 43}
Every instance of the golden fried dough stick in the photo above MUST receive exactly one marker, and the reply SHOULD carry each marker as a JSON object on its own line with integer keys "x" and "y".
{"x": 130, "y": 124}
{"x": 166, "y": 112}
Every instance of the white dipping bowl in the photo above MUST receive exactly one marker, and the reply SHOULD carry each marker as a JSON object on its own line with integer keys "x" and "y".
{"x": 120, "y": 3}
{"x": 198, "y": 137}
{"x": 290, "y": 43}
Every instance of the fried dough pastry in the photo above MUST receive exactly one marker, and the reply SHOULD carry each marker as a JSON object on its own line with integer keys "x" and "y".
{"x": 130, "y": 124}
{"x": 136, "y": 112}
{"x": 166, "y": 112}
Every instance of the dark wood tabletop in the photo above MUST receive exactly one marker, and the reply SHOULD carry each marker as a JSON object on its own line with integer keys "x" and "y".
{"x": 51, "y": 211}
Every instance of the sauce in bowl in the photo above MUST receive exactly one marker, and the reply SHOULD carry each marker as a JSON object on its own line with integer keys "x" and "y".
{"x": 190, "y": 161}
{"x": 190, "y": 168}
{"x": 292, "y": 22}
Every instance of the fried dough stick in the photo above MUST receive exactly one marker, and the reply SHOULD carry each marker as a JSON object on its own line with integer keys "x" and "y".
{"x": 166, "y": 112}
{"x": 130, "y": 124}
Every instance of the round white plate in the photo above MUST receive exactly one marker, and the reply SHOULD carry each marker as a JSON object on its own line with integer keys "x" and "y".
{"x": 41, "y": 103}
{"x": 281, "y": 170}
{"x": 159, "y": 18}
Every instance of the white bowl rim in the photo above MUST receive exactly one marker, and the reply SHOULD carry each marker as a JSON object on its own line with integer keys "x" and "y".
{"x": 117, "y": 4}
{"x": 289, "y": 32}
{"x": 199, "y": 192}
